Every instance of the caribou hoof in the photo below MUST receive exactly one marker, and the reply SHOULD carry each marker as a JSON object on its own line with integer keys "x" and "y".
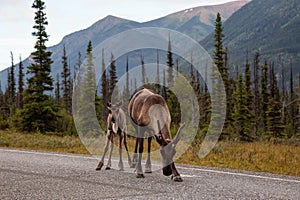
{"x": 176, "y": 178}
{"x": 107, "y": 168}
{"x": 100, "y": 165}
{"x": 121, "y": 167}
{"x": 140, "y": 176}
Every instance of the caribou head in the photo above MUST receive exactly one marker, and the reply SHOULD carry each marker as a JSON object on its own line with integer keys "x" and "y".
{"x": 115, "y": 118}
{"x": 168, "y": 148}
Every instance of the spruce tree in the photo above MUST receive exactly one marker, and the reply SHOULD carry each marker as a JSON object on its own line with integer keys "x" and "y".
{"x": 40, "y": 80}
{"x": 12, "y": 84}
{"x": 170, "y": 64}
{"x": 66, "y": 83}
{"x": 127, "y": 92}
{"x": 57, "y": 90}
{"x": 242, "y": 113}
{"x": 157, "y": 78}
{"x": 257, "y": 98}
{"x": 264, "y": 95}
{"x": 104, "y": 86}
{"x": 20, "y": 85}
{"x": 220, "y": 67}
{"x": 274, "y": 123}
{"x": 78, "y": 65}
{"x": 39, "y": 113}
{"x": 113, "y": 79}
{"x": 219, "y": 50}
{"x": 87, "y": 96}
{"x": 143, "y": 70}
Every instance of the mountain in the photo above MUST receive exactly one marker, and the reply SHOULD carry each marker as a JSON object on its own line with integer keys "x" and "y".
{"x": 196, "y": 22}
{"x": 270, "y": 27}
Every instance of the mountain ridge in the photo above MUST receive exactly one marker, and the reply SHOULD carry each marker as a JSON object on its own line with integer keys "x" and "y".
{"x": 270, "y": 27}
{"x": 110, "y": 25}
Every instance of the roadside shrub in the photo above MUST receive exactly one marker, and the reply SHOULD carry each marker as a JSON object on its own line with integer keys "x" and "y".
{"x": 4, "y": 124}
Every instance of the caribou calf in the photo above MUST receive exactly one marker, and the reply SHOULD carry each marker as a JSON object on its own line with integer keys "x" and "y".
{"x": 116, "y": 124}
{"x": 149, "y": 112}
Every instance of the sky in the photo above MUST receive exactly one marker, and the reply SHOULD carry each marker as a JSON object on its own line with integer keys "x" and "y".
{"x": 67, "y": 16}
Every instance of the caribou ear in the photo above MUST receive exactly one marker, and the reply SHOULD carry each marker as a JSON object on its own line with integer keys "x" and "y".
{"x": 108, "y": 105}
{"x": 179, "y": 134}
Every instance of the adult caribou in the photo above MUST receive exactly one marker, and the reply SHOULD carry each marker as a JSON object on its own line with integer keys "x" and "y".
{"x": 116, "y": 124}
{"x": 149, "y": 112}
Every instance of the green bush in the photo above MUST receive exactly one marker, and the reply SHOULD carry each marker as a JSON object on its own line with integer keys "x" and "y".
{"x": 4, "y": 124}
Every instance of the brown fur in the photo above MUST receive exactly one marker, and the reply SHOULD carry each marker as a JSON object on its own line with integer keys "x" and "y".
{"x": 149, "y": 112}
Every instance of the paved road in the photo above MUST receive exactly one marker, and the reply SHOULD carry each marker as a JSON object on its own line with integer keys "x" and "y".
{"x": 43, "y": 175}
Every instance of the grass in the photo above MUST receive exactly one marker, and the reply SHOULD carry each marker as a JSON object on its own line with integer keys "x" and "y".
{"x": 256, "y": 156}
{"x": 67, "y": 144}
{"x": 280, "y": 158}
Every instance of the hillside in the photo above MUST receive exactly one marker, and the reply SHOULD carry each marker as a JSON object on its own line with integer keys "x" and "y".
{"x": 270, "y": 27}
{"x": 196, "y": 22}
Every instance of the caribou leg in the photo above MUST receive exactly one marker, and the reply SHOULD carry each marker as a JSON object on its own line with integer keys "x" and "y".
{"x": 126, "y": 148}
{"x": 175, "y": 175}
{"x": 139, "y": 170}
{"x": 108, "y": 166}
{"x": 135, "y": 155}
{"x": 148, "y": 162}
{"x": 101, "y": 162}
{"x": 120, "y": 165}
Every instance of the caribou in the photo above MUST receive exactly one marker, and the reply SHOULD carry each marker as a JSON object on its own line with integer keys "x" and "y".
{"x": 116, "y": 124}
{"x": 149, "y": 113}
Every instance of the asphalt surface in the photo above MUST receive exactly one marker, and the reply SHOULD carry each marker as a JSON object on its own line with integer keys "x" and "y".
{"x": 45, "y": 175}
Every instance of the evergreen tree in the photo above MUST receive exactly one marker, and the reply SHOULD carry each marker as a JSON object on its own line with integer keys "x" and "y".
{"x": 77, "y": 81}
{"x": 264, "y": 95}
{"x": 248, "y": 84}
{"x": 78, "y": 65}
{"x": 20, "y": 85}
{"x": 39, "y": 113}
{"x": 242, "y": 114}
{"x": 219, "y": 50}
{"x": 66, "y": 82}
{"x": 164, "y": 91}
{"x": 104, "y": 86}
{"x": 57, "y": 90}
{"x": 274, "y": 124}
{"x": 284, "y": 95}
{"x": 157, "y": 78}
{"x": 127, "y": 92}
{"x": 144, "y": 81}
{"x": 221, "y": 68}
{"x": 40, "y": 80}
{"x": 249, "y": 95}
{"x": 12, "y": 84}
{"x": 87, "y": 103}
{"x": 257, "y": 99}
{"x": 170, "y": 64}
{"x": 113, "y": 79}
